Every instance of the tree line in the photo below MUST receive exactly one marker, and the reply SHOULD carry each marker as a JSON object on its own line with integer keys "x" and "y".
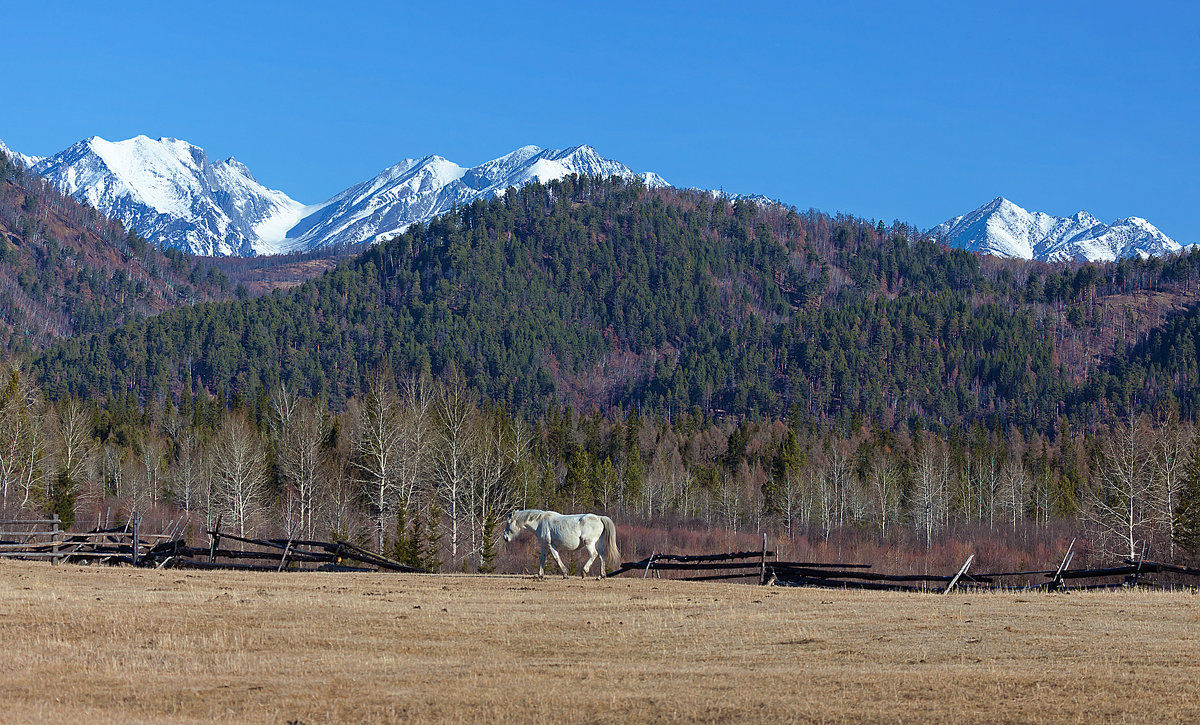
{"x": 424, "y": 469}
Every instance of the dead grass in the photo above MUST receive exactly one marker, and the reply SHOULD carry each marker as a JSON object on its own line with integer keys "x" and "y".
{"x": 121, "y": 645}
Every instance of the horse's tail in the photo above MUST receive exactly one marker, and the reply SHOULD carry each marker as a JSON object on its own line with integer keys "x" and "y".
{"x": 612, "y": 555}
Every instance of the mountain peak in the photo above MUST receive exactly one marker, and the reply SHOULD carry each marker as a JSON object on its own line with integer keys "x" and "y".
{"x": 1003, "y": 229}
{"x": 169, "y": 191}
{"x": 411, "y": 192}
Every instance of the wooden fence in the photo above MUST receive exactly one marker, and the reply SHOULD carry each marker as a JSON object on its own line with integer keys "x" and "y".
{"x": 126, "y": 544}
{"x": 750, "y": 565}
{"x": 45, "y": 539}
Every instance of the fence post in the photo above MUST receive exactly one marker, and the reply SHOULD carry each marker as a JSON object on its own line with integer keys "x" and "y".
{"x": 966, "y": 565}
{"x": 1057, "y": 582}
{"x": 56, "y": 537}
{"x": 214, "y": 540}
{"x": 762, "y": 570}
{"x": 137, "y": 543}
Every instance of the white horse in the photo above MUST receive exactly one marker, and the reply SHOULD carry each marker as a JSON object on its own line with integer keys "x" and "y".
{"x": 569, "y": 532}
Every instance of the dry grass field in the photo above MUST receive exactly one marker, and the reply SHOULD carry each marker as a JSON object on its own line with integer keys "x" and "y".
{"x": 120, "y": 645}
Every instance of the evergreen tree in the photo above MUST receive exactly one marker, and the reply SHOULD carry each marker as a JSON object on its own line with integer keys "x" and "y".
{"x": 1187, "y": 511}
{"x": 487, "y": 554}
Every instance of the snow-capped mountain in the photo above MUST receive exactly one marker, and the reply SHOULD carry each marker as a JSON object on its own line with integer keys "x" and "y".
{"x": 20, "y": 158}
{"x": 1003, "y": 229}
{"x": 172, "y": 194}
{"x": 417, "y": 190}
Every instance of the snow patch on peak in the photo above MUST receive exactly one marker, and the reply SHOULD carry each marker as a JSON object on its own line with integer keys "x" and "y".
{"x": 416, "y": 191}
{"x": 1004, "y": 229}
{"x": 653, "y": 180}
{"x": 171, "y": 193}
{"x": 20, "y": 158}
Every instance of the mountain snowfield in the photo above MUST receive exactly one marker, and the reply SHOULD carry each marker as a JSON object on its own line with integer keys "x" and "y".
{"x": 420, "y": 189}
{"x": 1003, "y": 229}
{"x": 175, "y": 196}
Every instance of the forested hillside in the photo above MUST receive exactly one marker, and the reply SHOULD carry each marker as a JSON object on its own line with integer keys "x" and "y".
{"x": 661, "y": 354}
{"x": 67, "y": 270}
{"x": 604, "y": 294}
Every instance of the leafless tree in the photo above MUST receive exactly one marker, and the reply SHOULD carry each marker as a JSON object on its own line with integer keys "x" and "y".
{"x": 22, "y": 438}
{"x": 187, "y": 474}
{"x": 788, "y": 495}
{"x": 378, "y": 450}
{"x": 840, "y": 472}
{"x": 416, "y": 442}
{"x": 492, "y": 493}
{"x": 930, "y": 477}
{"x": 74, "y": 445}
{"x": 1014, "y": 488}
{"x": 1121, "y": 509}
{"x": 452, "y": 455}
{"x": 150, "y": 470}
{"x": 115, "y": 470}
{"x": 885, "y": 490}
{"x": 240, "y": 475}
{"x": 299, "y": 432}
{"x": 339, "y": 490}
{"x": 519, "y": 459}
{"x": 1169, "y": 458}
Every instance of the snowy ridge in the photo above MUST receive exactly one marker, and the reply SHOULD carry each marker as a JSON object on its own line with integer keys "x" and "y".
{"x": 417, "y": 190}
{"x": 24, "y": 160}
{"x": 732, "y": 196}
{"x": 171, "y": 193}
{"x": 1003, "y": 229}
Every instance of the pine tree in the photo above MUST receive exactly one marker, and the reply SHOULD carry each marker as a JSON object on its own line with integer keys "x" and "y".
{"x": 487, "y": 554}
{"x": 402, "y": 543}
{"x": 430, "y": 557}
{"x": 62, "y": 498}
{"x": 1187, "y": 511}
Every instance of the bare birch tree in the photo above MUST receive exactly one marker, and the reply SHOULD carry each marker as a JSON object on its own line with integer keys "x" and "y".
{"x": 22, "y": 439}
{"x": 299, "y": 432}
{"x": 1169, "y": 458}
{"x": 240, "y": 475}
{"x": 1014, "y": 489}
{"x": 416, "y": 443}
{"x": 378, "y": 450}
{"x": 451, "y": 458}
{"x": 886, "y": 490}
{"x": 1121, "y": 509}
{"x": 930, "y": 476}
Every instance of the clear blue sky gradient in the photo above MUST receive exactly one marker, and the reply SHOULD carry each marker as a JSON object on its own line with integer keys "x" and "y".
{"x": 896, "y": 110}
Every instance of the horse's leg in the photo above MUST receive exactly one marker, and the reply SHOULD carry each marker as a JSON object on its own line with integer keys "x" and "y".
{"x": 558, "y": 558}
{"x": 592, "y": 554}
{"x": 542, "y": 563}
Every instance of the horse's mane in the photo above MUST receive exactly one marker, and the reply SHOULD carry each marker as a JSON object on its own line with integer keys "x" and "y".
{"x": 527, "y": 515}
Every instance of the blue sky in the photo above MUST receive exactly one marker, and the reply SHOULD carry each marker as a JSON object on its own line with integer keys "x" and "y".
{"x": 909, "y": 111}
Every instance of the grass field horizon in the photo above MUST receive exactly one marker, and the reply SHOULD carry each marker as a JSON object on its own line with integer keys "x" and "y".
{"x": 133, "y": 645}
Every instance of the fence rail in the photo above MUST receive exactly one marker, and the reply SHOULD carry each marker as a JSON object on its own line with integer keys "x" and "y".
{"x": 748, "y": 565}
{"x": 45, "y": 539}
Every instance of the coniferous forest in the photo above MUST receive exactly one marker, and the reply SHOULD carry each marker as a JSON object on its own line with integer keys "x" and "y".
{"x": 683, "y": 362}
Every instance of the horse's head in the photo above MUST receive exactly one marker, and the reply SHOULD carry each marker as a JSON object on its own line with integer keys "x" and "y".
{"x": 511, "y": 528}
